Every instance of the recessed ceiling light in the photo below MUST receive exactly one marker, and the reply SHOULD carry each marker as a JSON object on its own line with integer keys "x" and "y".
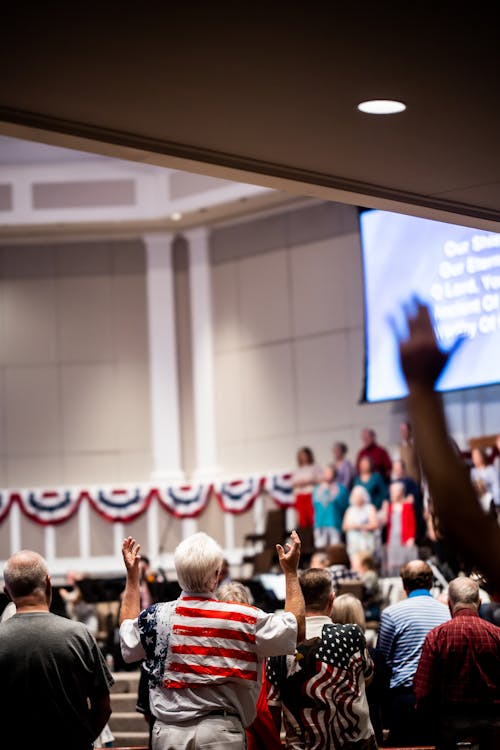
{"x": 381, "y": 107}
{"x": 176, "y": 216}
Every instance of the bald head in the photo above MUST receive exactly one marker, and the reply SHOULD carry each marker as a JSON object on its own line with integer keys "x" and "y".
{"x": 463, "y": 593}
{"x": 417, "y": 574}
{"x": 26, "y": 579}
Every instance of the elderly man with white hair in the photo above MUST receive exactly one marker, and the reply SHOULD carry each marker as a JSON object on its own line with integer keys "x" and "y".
{"x": 457, "y": 683}
{"x": 204, "y": 656}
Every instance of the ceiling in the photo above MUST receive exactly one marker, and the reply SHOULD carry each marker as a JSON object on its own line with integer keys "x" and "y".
{"x": 267, "y": 93}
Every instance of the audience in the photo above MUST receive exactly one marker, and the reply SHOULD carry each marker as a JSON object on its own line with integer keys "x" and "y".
{"x": 363, "y": 563}
{"x": 343, "y": 470}
{"x": 402, "y": 630}
{"x": 469, "y": 529}
{"x": 360, "y": 522}
{"x": 305, "y": 476}
{"x": 76, "y": 606}
{"x": 381, "y": 461}
{"x": 198, "y": 688}
{"x": 348, "y": 609}
{"x": 330, "y": 501}
{"x": 399, "y": 473}
{"x": 338, "y": 564}
{"x": 484, "y": 472}
{"x": 457, "y": 683}
{"x": 429, "y": 678}
{"x": 54, "y": 687}
{"x": 262, "y": 734}
{"x": 320, "y": 692}
{"x": 372, "y": 480}
{"x": 401, "y": 529}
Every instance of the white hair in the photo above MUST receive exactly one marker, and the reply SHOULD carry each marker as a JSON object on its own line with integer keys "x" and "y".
{"x": 463, "y": 590}
{"x": 358, "y": 489}
{"x": 234, "y": 591}
{"x": 197, "y": 561}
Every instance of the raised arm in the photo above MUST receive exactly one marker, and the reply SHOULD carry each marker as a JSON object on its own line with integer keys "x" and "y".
{"x": 461, "y": 517}
{"x": 130, "y": 605}
{"x": 294, "y": 601}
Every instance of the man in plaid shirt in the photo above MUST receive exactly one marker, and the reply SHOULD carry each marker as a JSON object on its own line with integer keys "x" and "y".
{"x": 457, "y": 683}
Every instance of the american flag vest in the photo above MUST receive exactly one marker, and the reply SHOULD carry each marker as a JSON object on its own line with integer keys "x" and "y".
{"x": 210, "y": 642}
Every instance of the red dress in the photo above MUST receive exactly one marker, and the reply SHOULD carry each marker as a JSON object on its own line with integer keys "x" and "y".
{"x": 262, "y": 733}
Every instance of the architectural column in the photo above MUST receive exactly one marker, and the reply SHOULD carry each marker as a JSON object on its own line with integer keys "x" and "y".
{"x": 163, "y": 359}
{"x": 202, "y": 354}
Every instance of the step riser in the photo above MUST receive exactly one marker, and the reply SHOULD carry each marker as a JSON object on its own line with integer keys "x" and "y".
{"x": 129, "y": 727}
{"x": 134, "y": 722}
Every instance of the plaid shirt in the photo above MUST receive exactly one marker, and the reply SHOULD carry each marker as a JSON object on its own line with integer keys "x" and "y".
{"x": 340, "y": 573}
{"x": 460, "y": 664}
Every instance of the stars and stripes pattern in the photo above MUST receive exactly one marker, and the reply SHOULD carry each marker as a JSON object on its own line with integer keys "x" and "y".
{"x": 322, "y": 694}
{"x": 211, "y": 642}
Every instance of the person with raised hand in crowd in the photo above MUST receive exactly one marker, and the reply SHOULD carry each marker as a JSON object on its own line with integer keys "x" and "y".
{"x": 320, "y": 692}
{"x": 454, "y": 498}
{"x": 204, "y": 656}
{"x": 55, "y": 684}
{"x": 262, "y": 734}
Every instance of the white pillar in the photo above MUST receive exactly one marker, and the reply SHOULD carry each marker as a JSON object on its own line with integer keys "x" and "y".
{"x": 202, "y": 354}
{"x": 163, "y": 358}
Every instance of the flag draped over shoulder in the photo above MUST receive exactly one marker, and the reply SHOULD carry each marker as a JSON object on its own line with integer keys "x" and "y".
{"x": 211, "y": 642}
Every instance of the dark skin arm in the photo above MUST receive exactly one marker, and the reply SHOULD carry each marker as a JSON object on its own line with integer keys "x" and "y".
{"x": 475, "y": 535}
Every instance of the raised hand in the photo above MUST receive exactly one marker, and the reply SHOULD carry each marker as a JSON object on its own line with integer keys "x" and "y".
{"x": 422, "y": 359}
{"x": 289, "y": 557}
{"x": 131, "y": 556}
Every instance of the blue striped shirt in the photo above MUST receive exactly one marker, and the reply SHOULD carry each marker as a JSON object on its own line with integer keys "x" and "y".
{"x": 402, "y": 630}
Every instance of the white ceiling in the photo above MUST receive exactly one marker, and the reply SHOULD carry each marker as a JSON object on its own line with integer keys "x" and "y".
{"x": 270, "y": 91}
{"x": 14, "y": 151}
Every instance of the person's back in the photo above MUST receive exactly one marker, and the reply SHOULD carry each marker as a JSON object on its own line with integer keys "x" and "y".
{"x": 54, "y": 687}
{"x": 401, "y": 635}
{"x": 457, "y": 683}
{"x": 204, "y": 656}
{"x": 321, "y": 689}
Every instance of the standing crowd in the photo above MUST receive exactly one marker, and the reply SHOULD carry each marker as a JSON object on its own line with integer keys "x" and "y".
{"x": 221, "y": 673}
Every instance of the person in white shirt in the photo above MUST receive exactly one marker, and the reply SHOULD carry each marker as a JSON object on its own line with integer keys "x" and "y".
{"x": 204, "y": 656}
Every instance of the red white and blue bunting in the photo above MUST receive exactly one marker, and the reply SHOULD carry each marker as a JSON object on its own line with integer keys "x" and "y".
{"x": 279, "y": 487}
{"x": 48, "y": 506}
{"x": 187, "y": 501}
{"x": 125, "y": 503}
{"x": 120, "y": 504}
{"x": 239, "y": 495}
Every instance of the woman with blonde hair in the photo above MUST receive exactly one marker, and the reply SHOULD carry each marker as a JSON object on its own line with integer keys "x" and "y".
{"x": 349, "y": 609}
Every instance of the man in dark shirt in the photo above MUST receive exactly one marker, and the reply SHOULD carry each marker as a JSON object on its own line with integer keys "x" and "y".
{"x": 457, "y": 683}
{"x": 379, "y": 456}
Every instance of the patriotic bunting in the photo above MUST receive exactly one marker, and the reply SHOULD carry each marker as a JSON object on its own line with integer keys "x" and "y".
{"x": 5, "y": 503}
{"x": 279, "y": 487}
{"x": 125, "y": 503}
{"x": 121, "y": 504}
{"x": 48, "y": 506}
{"x": 237, "y": 496}
{"x": 187, "y": 501}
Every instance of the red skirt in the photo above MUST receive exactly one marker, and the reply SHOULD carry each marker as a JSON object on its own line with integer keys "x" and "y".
{"x": 304, "y": 508}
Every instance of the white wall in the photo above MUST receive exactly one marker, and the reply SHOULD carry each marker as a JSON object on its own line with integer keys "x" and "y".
{"x": 288, "y": 336}
{"x": 288, "y": 317}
